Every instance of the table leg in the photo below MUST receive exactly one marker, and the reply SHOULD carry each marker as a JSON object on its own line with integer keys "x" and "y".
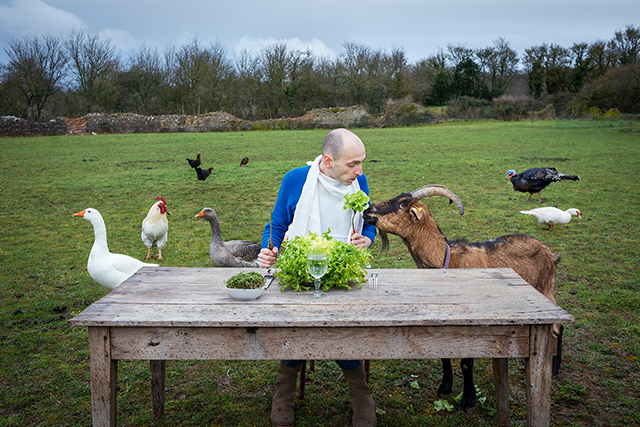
{"x": 501, "y": 381}
{"x": 104, "y": 373}
{"x": 157, "y": 387}
{"x": 538, "y": 369}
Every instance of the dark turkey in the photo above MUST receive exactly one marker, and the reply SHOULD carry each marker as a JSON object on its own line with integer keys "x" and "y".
{"x": 244, "y": 161}
{"x": 536, "y": 179}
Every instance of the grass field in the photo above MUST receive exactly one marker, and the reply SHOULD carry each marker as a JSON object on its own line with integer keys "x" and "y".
{"x": 44, "y": 374}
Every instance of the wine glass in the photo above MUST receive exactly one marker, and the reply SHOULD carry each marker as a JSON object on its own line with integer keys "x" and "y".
{"x": 317, "y": 266}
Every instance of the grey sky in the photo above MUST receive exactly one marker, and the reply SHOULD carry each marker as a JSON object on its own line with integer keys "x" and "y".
{"x": 421, "y": 28}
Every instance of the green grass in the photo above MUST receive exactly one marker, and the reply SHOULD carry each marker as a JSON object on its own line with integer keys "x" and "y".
{"x": 44, "y": 377}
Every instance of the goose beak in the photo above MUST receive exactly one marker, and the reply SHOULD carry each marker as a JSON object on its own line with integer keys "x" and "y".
{"x": 201, "y": 214}
{"x": 80, "y": 214}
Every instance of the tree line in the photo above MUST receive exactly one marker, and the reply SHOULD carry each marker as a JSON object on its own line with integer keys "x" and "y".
{"x": 73, "y": 75}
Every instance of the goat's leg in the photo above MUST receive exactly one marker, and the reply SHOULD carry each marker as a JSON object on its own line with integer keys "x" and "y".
{"x": 446, "y": 385}
{"x": 557, "y": 358}
{"x": 468, "y": 401}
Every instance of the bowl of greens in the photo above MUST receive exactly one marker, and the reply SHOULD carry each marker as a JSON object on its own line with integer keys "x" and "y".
{"x": 246, "y": 286}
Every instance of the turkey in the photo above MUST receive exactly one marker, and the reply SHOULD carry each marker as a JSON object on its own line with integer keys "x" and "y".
{"x": 234, "y": 253}
{"x": 194, "y": 163}
{"x": 553, "y": 216}
{"x": 537, "y": 179}
{"x": 155, "y": 227}
{"x": 104, "y": 267}
{"x": 244, "y": 161}
{"x": 203, "y": 174}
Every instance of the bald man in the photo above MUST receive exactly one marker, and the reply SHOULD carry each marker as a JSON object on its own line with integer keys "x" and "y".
{"x": 311, "y": 199}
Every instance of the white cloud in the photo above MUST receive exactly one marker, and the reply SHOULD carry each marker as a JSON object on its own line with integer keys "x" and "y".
{"x": 26, "y": 18}
{"x": 254, "y": 45}
{"x": 121, "y": 39}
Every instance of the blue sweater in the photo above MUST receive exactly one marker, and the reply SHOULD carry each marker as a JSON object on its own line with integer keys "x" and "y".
{"x": 285, "y": 208}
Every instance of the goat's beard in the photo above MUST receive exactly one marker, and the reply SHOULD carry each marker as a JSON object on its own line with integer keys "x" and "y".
{"x": 385, "y": 241}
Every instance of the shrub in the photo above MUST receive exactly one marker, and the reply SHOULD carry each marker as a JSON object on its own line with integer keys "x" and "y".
{"x": 618, "y": 88}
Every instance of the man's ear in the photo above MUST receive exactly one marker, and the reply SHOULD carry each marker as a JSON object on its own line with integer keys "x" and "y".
{"x": 328, "y": 161}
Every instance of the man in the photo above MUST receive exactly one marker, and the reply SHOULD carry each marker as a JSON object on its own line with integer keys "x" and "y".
{"x": 311, "y": 199}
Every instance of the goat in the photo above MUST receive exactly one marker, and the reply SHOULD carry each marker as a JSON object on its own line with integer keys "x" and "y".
{"x": 233, "y": 253}
{"x": 408, "y": 217}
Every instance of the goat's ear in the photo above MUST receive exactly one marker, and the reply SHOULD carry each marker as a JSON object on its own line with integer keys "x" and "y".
{"x": 416, "y": 212}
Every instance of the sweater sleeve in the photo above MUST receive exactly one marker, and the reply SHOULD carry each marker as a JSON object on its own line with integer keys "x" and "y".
{"x": 368, "y": 230}
{"x": 285, "y": 207}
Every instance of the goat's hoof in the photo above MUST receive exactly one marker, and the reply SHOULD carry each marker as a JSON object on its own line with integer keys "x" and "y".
{"x": 444, "y": 390}
{"x": 468, "y": 410}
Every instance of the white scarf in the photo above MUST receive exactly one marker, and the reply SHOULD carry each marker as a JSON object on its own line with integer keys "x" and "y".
{"x": 320, "y": 207}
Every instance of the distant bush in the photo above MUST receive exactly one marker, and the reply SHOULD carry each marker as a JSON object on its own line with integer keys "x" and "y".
{"x": 469, "y": 108}
{"x": 618, "y": 89}
{"x": 404, "y": 112}
{"x": 510, "y": 108}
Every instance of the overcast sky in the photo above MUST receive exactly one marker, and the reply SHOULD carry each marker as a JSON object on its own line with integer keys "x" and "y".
{"x": 420, "y": 28}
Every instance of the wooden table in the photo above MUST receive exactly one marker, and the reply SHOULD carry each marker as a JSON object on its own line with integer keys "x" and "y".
{"x": 170, "y": 313}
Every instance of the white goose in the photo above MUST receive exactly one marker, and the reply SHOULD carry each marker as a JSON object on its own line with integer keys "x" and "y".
{"x": 106, "y": 268}
{"x": 553, "y": 216}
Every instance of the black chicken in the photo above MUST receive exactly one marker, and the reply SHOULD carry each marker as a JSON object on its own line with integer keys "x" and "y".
{"x": 203, "y": 174}
{"x": 244, "y": 161}
{"x": 537, "y": 179}
{"x": 194, "y": 163}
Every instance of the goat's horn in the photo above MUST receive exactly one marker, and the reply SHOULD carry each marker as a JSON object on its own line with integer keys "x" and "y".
{"x": 437, "y": 190}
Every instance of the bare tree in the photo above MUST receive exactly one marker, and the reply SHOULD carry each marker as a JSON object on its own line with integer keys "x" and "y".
{"x": 354, "y": 63}
{"x": 249, "y": 75}
{"x": 142, "y": 85}
{"x": 626, "y": 45}
{"x": 35, "y": 70}
{"x": 94, "y": 63}
{"x": 282, "y": 69}
{"x": 499, "y": 64}
{"x": 458, "y": 53}
{"x": 199, "y": 75}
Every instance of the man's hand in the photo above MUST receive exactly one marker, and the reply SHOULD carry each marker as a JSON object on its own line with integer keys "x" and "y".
{"x": 360, "y": 241}
{"x": 267, "y": 257}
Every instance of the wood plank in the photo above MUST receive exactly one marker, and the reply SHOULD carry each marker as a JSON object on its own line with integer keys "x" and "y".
{"x": 178, "y": 297}
{"x": 319, "y": 343}
{"x": 157, "y": 368}
{"x": 538, "y": 373}
{"x": 501, "y": 381}
{"x": 104, "y": 372}
{"x": 313, "y": 314}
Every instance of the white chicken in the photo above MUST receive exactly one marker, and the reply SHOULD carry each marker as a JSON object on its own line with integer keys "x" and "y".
{"x": 553, "y": 216}
{"x": 155, "y": 227}
{"x": 106, "y": 268}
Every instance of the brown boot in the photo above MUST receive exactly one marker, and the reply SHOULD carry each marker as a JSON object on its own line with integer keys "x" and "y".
{"x": 282, "y": 406}
{"x": 364, "y": 408}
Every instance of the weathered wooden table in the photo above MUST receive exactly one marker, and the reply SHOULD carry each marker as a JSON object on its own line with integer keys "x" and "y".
{"x": 171, "y": 313}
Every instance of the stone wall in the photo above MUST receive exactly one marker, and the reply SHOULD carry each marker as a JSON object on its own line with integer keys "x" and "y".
{"x": 216, "y": 121}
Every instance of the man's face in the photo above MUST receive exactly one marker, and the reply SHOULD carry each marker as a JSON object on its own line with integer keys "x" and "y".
{"x": 348, "y": 167}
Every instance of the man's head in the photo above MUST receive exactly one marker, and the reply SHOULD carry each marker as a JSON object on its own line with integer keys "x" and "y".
{"x": 343, "y": 153}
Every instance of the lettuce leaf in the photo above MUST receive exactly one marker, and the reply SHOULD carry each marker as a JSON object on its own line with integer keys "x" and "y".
{"x": 346, "y": 262}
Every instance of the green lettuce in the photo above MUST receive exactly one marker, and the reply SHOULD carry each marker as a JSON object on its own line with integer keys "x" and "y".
{"x": 346, "y": 262}
{"x": 356, "y": 202}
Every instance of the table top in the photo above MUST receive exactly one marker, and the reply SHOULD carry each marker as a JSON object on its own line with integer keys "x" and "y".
{"x": 196, "y": 297}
